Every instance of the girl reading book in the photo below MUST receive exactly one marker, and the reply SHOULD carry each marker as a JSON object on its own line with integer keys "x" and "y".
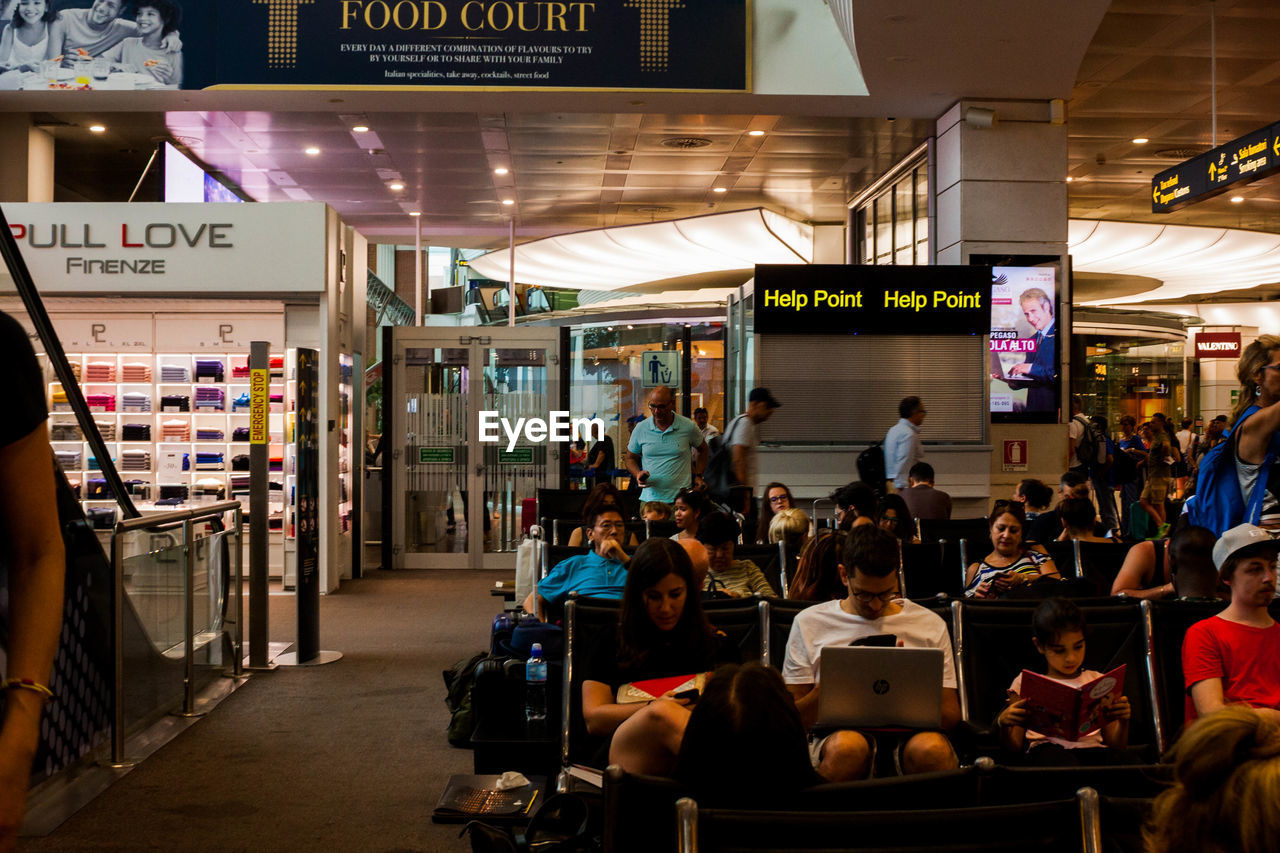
{"x": 1059, "y": 635}
{"x": 662, "y": 634}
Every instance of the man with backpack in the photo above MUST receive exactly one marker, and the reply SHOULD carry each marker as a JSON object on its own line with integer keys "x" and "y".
{"x": 1091, "y": 454}
{"x": 902, "y": 447}
{"x": 731, "y": 472}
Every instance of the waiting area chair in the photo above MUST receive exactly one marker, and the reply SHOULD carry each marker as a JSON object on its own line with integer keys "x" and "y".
{"x": 1058, "y": 826}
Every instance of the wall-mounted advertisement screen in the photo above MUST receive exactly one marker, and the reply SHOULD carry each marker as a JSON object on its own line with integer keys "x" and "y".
{"x": 186, "y": 181}
{"x": 1023, "y": 357}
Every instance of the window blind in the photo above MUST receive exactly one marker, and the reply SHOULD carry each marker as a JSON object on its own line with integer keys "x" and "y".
{"x": 845, "y": 390}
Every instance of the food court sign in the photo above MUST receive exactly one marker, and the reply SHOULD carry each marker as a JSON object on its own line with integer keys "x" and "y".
{"x": 690, "y": 45}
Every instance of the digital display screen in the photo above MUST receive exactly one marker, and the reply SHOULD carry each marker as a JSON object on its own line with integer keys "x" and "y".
{"x": 186, "y": 181}
{"x": 1023, "y": 357}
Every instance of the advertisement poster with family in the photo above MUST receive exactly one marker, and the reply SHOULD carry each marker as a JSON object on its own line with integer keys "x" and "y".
{"x": 124, "y": 45}
{"x": 1024, "y": 341}
{"x": 90, "y": 44}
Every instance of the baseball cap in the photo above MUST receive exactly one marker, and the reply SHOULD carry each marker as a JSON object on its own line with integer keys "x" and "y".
{"x": 762, "y": 395}
{"x": 1244, "y": 537}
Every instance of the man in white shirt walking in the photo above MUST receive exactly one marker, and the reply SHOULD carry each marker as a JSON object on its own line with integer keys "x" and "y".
{"x": 902, "y": 447}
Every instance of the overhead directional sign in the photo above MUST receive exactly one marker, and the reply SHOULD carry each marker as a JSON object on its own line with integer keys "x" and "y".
{"x": 1240, "y": 161}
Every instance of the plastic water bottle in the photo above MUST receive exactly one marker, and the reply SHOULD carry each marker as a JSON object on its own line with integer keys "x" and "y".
{"x": 535, "y": 691}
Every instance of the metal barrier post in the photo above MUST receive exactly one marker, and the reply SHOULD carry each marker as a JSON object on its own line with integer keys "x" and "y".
{"x": 188, "y": 621}
{"x": 117, "y": 632}
{"x": 237, "y": 661}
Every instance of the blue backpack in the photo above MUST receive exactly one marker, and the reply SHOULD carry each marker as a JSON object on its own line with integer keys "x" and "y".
{"x": 1218, "y": 503}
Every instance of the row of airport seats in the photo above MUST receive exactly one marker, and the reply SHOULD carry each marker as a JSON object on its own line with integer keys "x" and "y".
{"x": 991, "y": 641}
{"x": 981, "y": 807}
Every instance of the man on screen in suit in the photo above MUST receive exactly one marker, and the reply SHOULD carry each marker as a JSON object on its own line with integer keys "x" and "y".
{"x": 1041, "y": 368}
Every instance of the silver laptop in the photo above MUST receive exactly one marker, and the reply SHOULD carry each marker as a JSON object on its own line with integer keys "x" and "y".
{"x": 872, "y": 687}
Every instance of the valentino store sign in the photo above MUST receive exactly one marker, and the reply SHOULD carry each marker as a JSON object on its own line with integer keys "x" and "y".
{"x": 1218, "y": 345}
{"x": 127, "y": 248}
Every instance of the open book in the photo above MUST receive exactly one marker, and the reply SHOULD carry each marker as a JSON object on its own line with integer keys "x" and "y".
{"x": 1059, "y": 710}
{"x": 652, "y": 688}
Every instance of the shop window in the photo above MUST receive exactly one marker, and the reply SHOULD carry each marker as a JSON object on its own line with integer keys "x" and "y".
{"x": 892, "y": 226}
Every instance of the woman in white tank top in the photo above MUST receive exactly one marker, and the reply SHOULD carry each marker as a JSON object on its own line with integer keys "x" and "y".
{"x": 26, "y": 35}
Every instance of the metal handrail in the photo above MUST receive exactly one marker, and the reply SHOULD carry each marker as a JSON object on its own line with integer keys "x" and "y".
{"x": 169, "y": 519}
{"x": 186, "y": 518}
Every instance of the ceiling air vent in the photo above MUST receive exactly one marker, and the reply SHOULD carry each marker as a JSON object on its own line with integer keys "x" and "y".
{"x": 1184, "y": 153}
{"x": 655, "y": 209}
{"x": 685, "y": 143}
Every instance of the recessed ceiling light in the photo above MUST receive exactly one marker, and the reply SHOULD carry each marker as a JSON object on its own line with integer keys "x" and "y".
{"x": 360, "y": 128}
{"x": 508, "y": 201}
{"x": 97, "y": 128}
{"x": 1070, "y": 179}
{"x": 501, "y": 170}
{"x": 719, "y": 189}
{"x": 396, "y": 187}
{"x": 415, "y": 213}
{"x": 312, "y": 151}
{"x": 1236, "y": 199}
{"x": 1140, "y": 140}
{"x": 755, "y": 133}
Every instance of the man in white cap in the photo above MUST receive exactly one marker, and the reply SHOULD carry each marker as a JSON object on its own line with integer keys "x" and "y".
{"x": 1234, "y": 658}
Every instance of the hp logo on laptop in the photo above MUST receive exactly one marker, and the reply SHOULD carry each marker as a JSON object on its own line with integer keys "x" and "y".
{"x": 881, "y": 687}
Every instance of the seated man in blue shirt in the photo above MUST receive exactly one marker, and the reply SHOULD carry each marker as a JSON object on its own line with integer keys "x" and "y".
{"x": 602, "y": 572}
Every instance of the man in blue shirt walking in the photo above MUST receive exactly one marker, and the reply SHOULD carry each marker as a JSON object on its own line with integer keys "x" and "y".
{"x": 902, "y": 447}
{"x": 660, "y": 454}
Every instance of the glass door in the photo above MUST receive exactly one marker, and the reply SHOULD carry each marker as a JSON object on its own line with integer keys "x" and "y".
{"x": 457, "y": 500}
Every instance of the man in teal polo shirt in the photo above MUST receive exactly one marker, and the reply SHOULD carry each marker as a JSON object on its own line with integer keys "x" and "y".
{"x": 660, "y": 453}
{"x": 601, "y": 572}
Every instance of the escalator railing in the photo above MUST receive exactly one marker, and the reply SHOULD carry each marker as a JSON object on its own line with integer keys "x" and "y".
{"x": 125, "y": 656}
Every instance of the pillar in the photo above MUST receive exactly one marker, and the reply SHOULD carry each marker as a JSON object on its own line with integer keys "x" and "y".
{"x": 1000, "y": 189}
{"x": 26, "y": 170}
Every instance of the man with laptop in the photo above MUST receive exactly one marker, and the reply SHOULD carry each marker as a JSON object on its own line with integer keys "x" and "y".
{"x": 886, "y": 664}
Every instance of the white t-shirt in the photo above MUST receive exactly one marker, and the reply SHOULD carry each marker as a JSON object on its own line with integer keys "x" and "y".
{"x": 1185, "y": 438}
{"x": 1075, "y": 430}
{"x": 742, "y": 431}
{"x": 1091, "y": 740}
{"x": 828, "y": 624}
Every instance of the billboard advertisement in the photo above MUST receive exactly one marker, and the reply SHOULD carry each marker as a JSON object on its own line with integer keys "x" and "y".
{"x": 1023, "y": 358}
{"x": 142, "y": 45}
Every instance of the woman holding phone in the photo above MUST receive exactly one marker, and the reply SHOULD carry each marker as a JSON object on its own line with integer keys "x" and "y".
{"x": 1011, "y": 563}
{"x": 662, "y": 632}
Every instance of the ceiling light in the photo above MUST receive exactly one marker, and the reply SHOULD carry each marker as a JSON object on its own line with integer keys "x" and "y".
{"x": 396, "y": 187}
{"x": 629, "y": 326}
{"x": 755, "y": 133}
{"x": 508, "y": 201}
{"x": 1070, "y": 179}
{"x": 97, "y": 128}
{"x": 415, "y": 213}
{"x": 1140, "y": 140}
{"x": 312, "y": 151}
{"x": 501, "y": 170}
{"x": 360, "y": 128}
{"x": 719, "y": 189}
{"x": 1236, "y": 199}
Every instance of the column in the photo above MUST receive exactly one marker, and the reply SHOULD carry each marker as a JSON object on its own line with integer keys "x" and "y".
{"x": 1000, "y": 189}
{"x": 26, "y": 170}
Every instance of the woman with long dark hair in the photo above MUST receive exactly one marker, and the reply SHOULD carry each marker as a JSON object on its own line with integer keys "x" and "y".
{"x": 745, "y": 745}
{"x": 689, "y": 506}
{"x": 662, "y": 633}
{"x": 895, "y": 517}
{"x": 817, "y": 575}
{"x": 775, "y": 499}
